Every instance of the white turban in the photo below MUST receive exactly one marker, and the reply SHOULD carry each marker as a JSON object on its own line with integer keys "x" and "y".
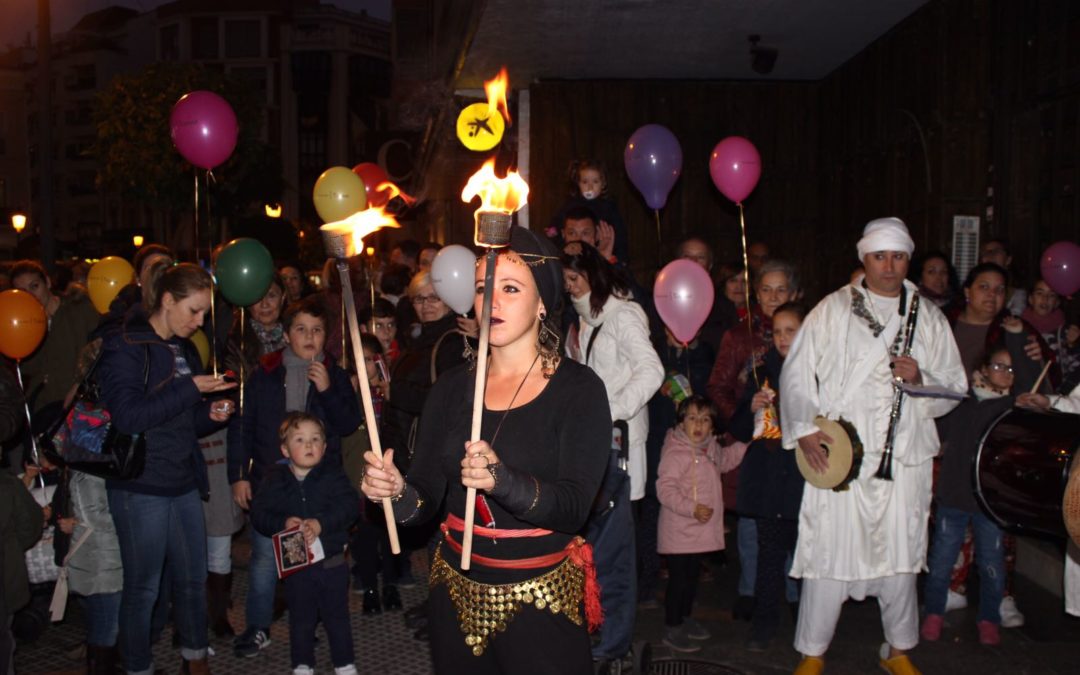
{"x": 885, "y": 234}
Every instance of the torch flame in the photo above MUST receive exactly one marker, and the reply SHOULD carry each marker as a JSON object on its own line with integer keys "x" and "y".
{"x": 395, "y": 191}
{"x": 359, "y": 225}
{"x": 504, "y": 195}
{"x": 496, "y": 93}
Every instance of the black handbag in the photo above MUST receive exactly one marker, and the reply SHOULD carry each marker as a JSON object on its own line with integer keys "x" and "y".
{"x": 84, "y": 438}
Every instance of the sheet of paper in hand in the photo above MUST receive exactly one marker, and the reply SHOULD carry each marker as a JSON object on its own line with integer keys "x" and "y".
{"x": 291, "y": 554}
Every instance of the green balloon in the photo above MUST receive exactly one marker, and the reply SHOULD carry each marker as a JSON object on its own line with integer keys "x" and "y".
{"x": 244, "y": 271}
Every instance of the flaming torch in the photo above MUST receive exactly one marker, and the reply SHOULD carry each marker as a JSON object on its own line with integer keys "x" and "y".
{"x": 500, "y": 198}
{"x": 342, "y": 240}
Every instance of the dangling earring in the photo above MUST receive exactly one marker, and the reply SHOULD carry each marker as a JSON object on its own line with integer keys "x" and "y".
{"x": 549, "y": 353}
{"x": 469, "y": 353}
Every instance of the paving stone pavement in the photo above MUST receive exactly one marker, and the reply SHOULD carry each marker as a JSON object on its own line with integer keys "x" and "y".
{"x": 1048, "y": 644}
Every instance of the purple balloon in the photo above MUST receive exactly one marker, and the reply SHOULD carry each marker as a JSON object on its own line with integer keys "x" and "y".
{"x": 653, "y": 160}
{"x": 735, "y": 167}
{"x": 1060, "y": 267}
{"x": 203, "y": 128}
{"x": 683, "y": 293}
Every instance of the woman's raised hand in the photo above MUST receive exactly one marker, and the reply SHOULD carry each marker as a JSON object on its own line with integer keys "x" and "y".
{"x": 381, "y": 477}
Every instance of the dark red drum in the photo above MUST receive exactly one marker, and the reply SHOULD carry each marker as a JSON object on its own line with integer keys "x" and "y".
{"x": 1022, "y": 467}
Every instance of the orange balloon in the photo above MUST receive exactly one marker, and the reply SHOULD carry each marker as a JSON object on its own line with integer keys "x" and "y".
{"x": 22, "y": 323}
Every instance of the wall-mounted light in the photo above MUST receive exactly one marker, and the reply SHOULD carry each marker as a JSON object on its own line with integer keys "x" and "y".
{"x": 137, "y": 240}
{"x": 272, "y": 210}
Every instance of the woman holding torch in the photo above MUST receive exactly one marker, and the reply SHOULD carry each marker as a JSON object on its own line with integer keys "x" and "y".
{"x": 530, "y": 596}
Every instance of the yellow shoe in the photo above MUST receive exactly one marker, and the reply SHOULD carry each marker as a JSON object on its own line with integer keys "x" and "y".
{"x": 898, "y": 665}
{"x": 810, "y": 665}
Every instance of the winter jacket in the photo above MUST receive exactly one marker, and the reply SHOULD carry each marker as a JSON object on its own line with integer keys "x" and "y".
{"x": 691, "y": 476}
{"x": 20, "y": 527}
{"x": 325, "y": 494}
{"x": 624, "y": 358}
{"x": 770, "y": 485}
{"x": 694, "y": 363}
{"x": 168, "y": 408}
{"x": 50, "y": 372}
{"x": 410, "y": 382}
{"x": 735, "y": 361}
{"x": 95, "y": 567}
{"x": 253, "y": 442}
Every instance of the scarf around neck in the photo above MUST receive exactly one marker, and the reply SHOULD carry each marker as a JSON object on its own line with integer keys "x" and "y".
{"x": 296, "y": 379}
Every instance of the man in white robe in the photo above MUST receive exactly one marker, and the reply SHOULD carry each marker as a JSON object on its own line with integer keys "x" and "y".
{"x": 870, "y": 539}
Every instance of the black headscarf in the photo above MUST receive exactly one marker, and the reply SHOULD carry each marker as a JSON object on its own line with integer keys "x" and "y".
{"x": 543, "y": 261}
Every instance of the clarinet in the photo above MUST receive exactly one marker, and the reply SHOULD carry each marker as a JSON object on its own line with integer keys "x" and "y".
{"x": 884, "y": 471}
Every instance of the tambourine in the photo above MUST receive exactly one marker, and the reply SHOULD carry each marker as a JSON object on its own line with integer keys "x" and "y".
{"x": 845, "y": 453}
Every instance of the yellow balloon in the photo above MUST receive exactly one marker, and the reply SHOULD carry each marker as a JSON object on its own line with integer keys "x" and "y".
{"x": 338, "y": 194}
{"x": 105, "y": 280}
{"x": 198, "y": 338}
{"x": 480, "y": 129}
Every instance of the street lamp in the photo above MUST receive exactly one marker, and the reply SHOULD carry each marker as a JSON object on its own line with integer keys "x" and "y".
{"x": 137, "y": 240}
{"x": 272, "y": 210}
{"x": 18, "y": 221}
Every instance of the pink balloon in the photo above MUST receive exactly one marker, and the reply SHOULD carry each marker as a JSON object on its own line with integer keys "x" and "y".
{"x": 735, "y": 167}
{"x": 1060, "y": 267}
{"x": 683, "y": 294}
{"x": 203, "y": 128}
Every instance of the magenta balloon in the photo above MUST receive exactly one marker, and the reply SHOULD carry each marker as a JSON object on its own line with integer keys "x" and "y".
{"x": 735, "y": 167}
{"x": 653, "y": 160}
{"x": 683, "y": 294}
{"x": 1060, "y": 267}
{"x": 203, "y": 128}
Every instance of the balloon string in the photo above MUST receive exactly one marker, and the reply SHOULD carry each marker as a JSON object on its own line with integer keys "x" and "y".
{"x": 344, "y": 352}
{"x": 371, "y": 283}
{"x": 209, "y": 260}
{"x": 659, "y": 241}
{"x": 29, "y": 425}
{"x": 195, "y": 245}
{"x": 242, "y": 322}
{"x": 746, "y": 289}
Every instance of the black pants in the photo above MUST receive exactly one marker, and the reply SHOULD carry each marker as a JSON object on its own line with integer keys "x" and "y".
{"x": 535, "y": 642}
{"x": 776, "y": 539}
{"x": 320, "y": 593}
{"x": 646, "y": 516}
{"x": 683, "y": 572}
{"x": 370, "y": 548}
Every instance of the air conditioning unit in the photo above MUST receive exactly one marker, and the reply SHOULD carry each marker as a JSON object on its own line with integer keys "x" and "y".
{"x": 965, "y": 244}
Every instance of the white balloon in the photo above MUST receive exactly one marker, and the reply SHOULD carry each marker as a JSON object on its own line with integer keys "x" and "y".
{"x": 453, "y": 274}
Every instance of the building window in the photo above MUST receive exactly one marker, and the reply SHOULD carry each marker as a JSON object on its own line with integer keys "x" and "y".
{"x": 256, "y": 78}
{"x": 243, "y": 39}
{"x": 204, "y": 38}
{"x": 169, "y": 42}
{"x": 80, "y": 78}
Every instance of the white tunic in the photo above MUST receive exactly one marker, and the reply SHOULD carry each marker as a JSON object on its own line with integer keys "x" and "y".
{"x": 837, "y": 367}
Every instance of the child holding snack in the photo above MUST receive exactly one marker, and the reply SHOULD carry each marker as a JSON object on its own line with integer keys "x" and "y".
{"x": 316, "y": 497}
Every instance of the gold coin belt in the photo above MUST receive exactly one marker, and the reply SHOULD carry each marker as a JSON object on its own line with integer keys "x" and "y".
{"x": 486, "y": 609}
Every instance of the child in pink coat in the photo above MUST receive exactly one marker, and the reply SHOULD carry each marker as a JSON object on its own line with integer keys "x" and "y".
{"x": 691, "y": 512}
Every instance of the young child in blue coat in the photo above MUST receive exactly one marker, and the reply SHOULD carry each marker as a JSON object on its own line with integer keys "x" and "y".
{"x": 301, "y": 377}
{"x": 317, "y": 497}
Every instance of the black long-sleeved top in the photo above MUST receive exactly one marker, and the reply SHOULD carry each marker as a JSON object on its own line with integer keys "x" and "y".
{"x": 562, "y": 438}
{"x": 325, "y": 495}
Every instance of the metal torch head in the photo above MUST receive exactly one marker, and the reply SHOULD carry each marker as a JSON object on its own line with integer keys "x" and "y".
{"x": 493, "y": 229}
{"x": 336, "y": 243}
